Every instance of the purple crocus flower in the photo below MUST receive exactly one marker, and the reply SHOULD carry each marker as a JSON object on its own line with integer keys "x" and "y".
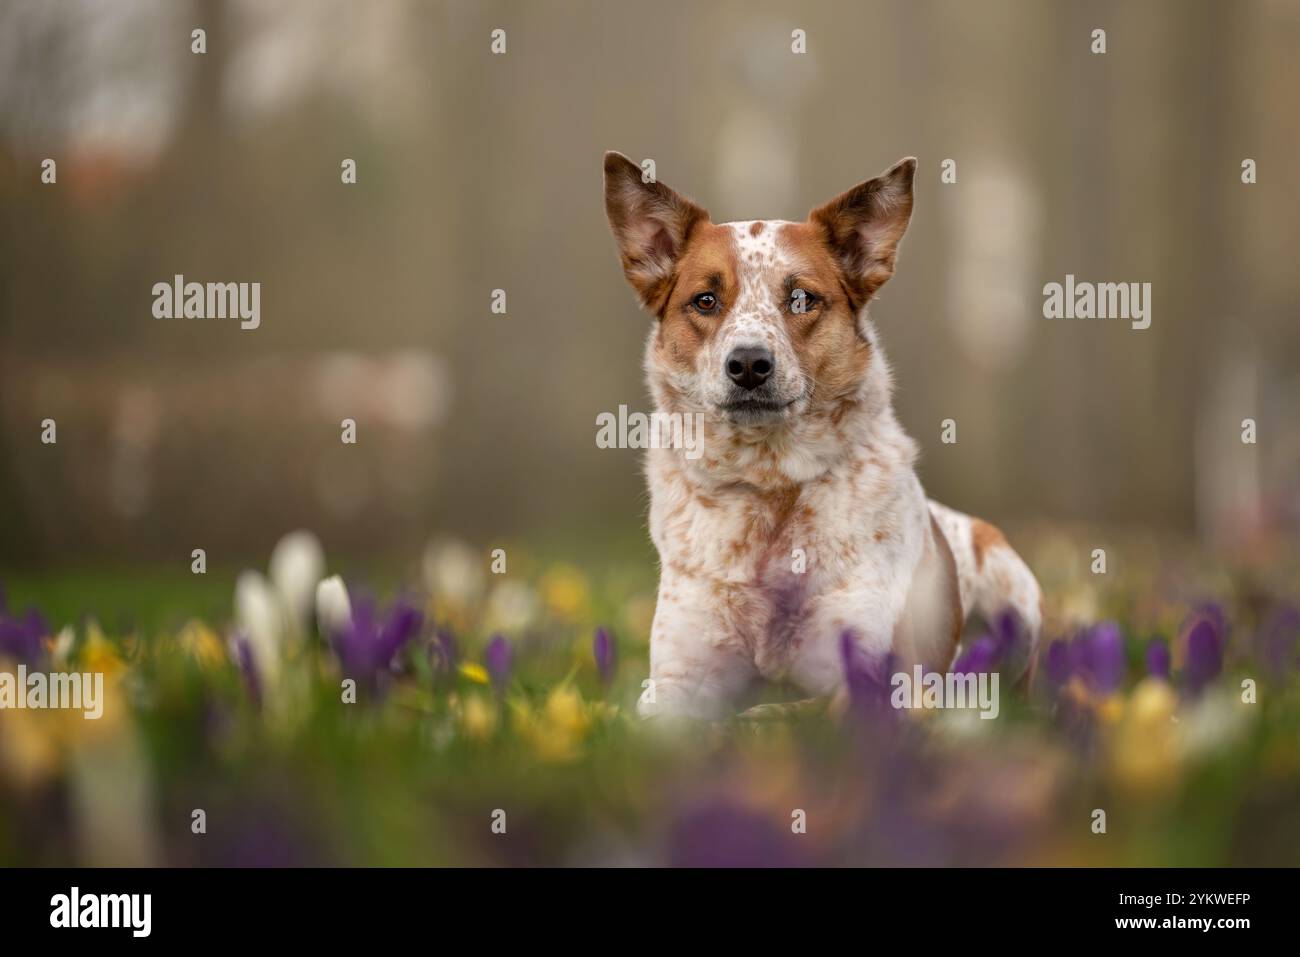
{"x": 1012, "y": 638}
{"x": 499, "y": 657}
{"x": 1279, "y": 637}
{"x": 268, "y": 832}
{"x": 980, "y": 658}
{"x": 1158, "y": 658}
{"x": 366, "y": 646}
{"x": 248, "y": 668}
{"x": 1108, "y": 662}
{"x": 443, "y": 653}
{"x": 1097, "y": 655}
{"x": 1213, "y": 612}
{"x": 1204, "y": 654}
{"x": 1056, "y": 666}
{"x": 20, "y": 638}
{"x": 606, "y": 655}
{"x": 720, "y": 833}
{"x": 867, "y": 681}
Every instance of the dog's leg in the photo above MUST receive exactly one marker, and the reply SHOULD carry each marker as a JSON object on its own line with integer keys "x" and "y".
{"x": 698, "y": 664}
{"x": 990, "y": 575}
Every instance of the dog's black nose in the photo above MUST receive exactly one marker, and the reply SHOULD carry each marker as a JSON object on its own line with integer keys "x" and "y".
{"x": 750, "y": 366}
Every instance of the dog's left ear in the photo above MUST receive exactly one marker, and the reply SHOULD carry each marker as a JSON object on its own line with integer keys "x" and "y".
{"x": 651, "y": 224}
{"x": 863, "y": 227}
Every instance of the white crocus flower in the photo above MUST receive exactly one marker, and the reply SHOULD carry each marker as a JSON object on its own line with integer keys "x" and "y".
{"x": 455, "y": 573}
{"x": 333, "y": 607}
{"x": 1215, "y": 722}
{"x": 512, "y": 607}
{"x": 62, "y": 650}
{"x": 297, "y": 565}
{"x": 259, "y": 615}
{"x": 276, "y": 612}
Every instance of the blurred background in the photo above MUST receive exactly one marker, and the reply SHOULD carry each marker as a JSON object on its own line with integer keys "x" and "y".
{"x": 478, "y": 172}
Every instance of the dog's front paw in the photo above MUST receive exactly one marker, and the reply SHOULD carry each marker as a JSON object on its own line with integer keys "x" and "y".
{"x": 665, "y": 700}
{"x": 781, "y": 710}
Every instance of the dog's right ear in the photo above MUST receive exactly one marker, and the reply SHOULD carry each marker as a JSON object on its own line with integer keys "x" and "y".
{"x": 651, "y": 224}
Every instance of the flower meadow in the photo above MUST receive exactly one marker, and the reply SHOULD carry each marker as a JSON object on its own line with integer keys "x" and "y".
{"x": 452, "y": 716}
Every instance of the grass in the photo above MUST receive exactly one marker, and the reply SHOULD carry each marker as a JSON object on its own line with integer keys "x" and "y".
{"x": 435, "y": 755}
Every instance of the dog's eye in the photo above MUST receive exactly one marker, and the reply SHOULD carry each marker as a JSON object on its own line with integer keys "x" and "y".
{"x": 802, "y": 301}
{"x": 705, "y": 302}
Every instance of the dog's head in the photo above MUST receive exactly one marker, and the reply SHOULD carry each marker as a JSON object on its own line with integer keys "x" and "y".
{"x": 759, "y": 324}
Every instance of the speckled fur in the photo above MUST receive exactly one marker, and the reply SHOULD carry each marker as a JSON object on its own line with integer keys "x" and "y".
{"x": 829, "y": 478}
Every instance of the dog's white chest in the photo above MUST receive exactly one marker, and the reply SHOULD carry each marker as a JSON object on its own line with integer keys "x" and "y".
{"x": 780, "y": 569}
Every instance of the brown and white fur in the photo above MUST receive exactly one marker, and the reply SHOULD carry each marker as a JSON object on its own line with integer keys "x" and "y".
{"x": 802, "y": 455}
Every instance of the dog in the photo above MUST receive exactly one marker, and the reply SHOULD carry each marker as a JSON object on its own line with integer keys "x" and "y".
{"x": 800, "y": 534}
